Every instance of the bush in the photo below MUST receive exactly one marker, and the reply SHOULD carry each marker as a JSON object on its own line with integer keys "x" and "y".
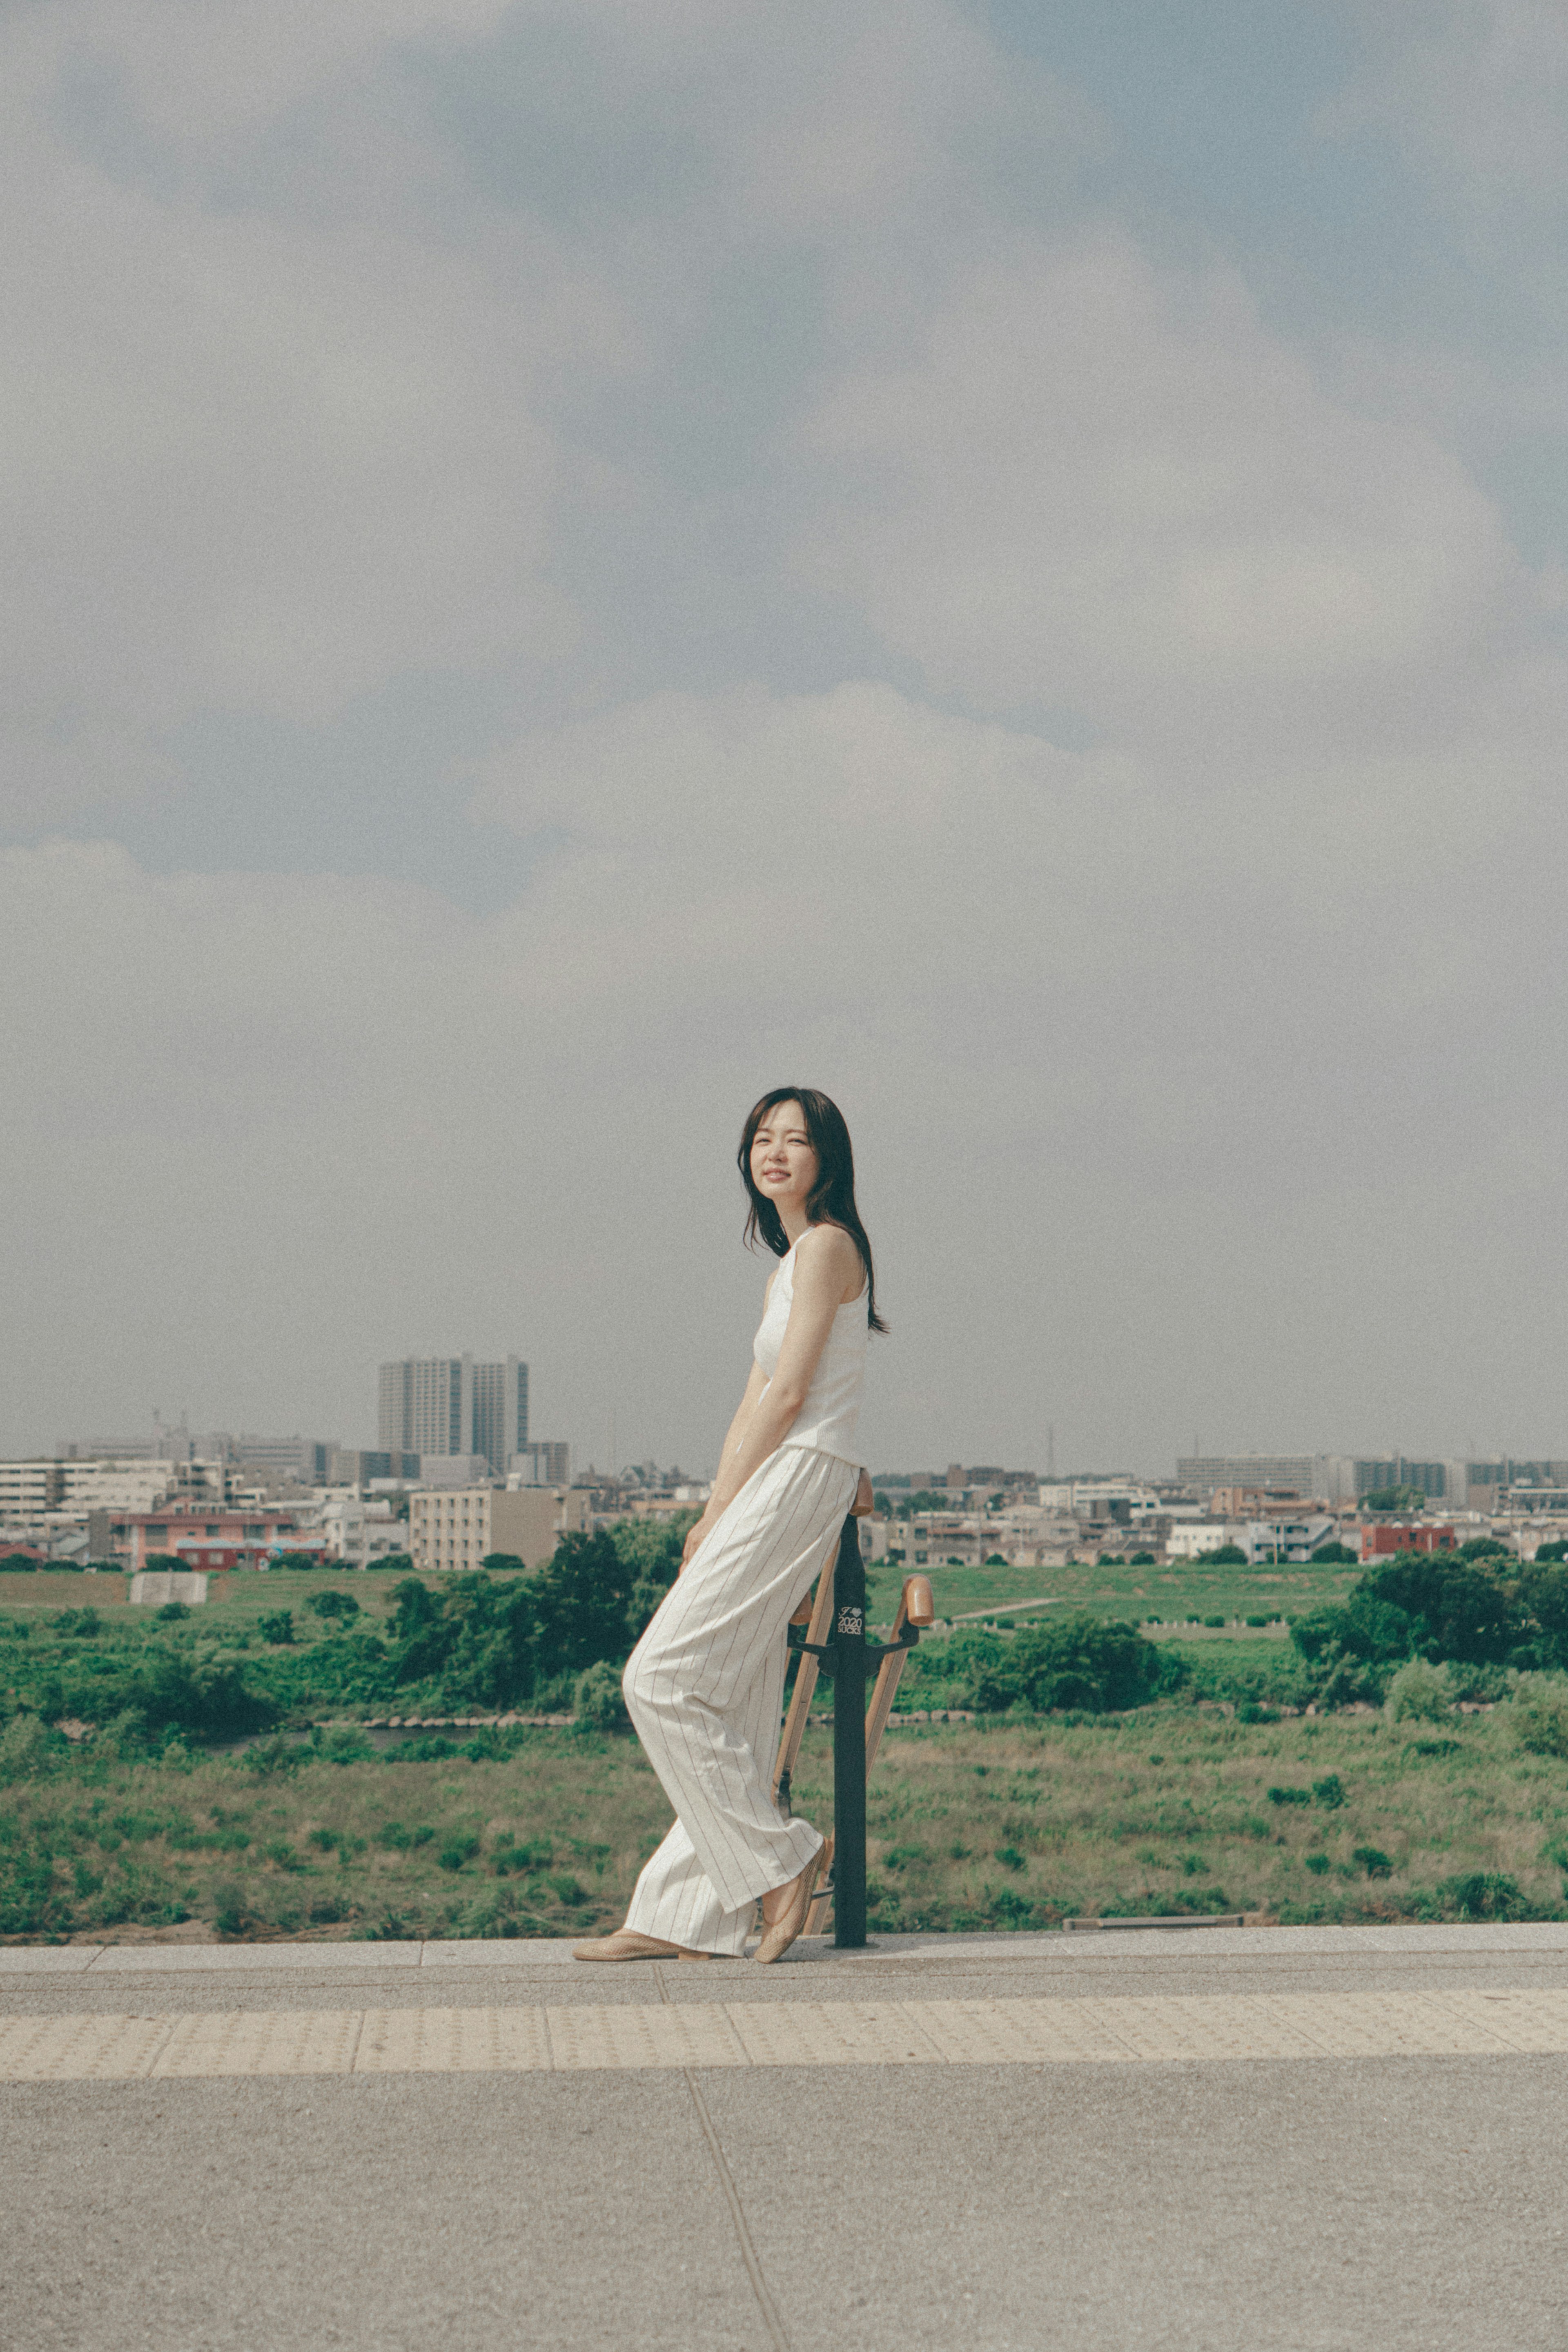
{"x": 597, "y": 1701}
{"x": 1087, "y": 1663}
{"x": 333, "y": 1603}
{"x": 1486, "y": 1894}
{"x": 1419, "y": 1693}
{"x": 173, "y": 1613}
{"x": 277, "y": 1628}
{"x": 1335, "y": 1555}
{"x": 1329, "y": 1793}
{"x": 1290, "y": 1796}
{"x": 457, "y": 1852}
{"x": 1538, "y": 1713}
{"x": 28, "y": 1749}
{"x": 228, "y": 1915}
{"x": 1229, "y": 1556}
{"x": 1373, "y": 1860}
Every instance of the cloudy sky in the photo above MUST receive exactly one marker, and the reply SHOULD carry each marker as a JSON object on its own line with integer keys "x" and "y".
{"x": 561, "y": 565}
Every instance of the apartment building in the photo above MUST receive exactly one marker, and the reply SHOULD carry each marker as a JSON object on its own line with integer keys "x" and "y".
{"x": 361, "y": 1533}
{"x": 455, "y": 1527}
{"x": 450, "y": 1404}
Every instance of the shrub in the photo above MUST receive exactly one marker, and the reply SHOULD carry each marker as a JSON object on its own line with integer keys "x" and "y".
{"x": 173, "y": 1612}
{"x": 28, "y": 1749}
{"x": 228, "y": 1912}
{"x": 1329, "y": 1793}
{"x": 1419, "y": 1693}
{"x": 597, "y": 1701}
{"x": 1373, "y": 1861}
{"x": 277, "y": 1628}
{"x": 1086, "y": 1663}
{"x": 1214, "y": 1621}
{"x": 1538, "y": 1713}
{"x": 1317, "y": 1864}
{"x": 457, "y": 1852}
{"x": 1486, "y": 1894}
{"x": 1010, "y": 1858}
{"x": 1290, "y": 1796}
{"x": 1229, "y": 1556}
{"x": 346, "y": 1743}
{"x": 332, "y": 1603}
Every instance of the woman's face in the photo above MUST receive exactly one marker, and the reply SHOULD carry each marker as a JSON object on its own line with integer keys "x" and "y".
{"x": 783, "y": 1163}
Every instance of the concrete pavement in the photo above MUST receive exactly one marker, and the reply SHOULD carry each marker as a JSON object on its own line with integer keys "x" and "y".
{"x": 1285, "y": 2137}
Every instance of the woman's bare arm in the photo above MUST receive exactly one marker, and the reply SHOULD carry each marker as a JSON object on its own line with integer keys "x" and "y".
{"x": 827, "y": 1268}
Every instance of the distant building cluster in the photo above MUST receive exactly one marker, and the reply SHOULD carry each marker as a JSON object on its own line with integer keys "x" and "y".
{"x": 1268, "y": 1508}
{"x": 455, "y": 1457}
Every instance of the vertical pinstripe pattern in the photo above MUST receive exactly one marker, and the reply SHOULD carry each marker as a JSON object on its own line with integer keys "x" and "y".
{"x": 706, "y": 1687}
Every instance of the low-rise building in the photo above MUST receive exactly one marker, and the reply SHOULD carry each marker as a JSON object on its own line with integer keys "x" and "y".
{"x": 224, "y": 1538}
{"x": 1195, "y": 1537}
{"x": 458, "y": 1526}
{"x": 1382, "y": 1538}
{"x": 362, "y": 1531}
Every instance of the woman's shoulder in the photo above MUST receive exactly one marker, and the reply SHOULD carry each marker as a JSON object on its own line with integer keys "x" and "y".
{"x": 830, "y": 1251}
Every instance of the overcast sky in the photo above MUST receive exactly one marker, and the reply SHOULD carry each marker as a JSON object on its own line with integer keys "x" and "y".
{"x": 563, "y": 564}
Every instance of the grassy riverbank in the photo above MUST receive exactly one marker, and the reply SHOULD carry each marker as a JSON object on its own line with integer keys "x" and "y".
{"x": 1014, "y": 1824}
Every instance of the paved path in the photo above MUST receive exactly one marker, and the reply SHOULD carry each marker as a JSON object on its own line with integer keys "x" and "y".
{"x": 1299, "y": 2138}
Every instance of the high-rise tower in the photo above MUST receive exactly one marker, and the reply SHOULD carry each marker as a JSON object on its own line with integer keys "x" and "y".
{"x": 450, "y": 1404}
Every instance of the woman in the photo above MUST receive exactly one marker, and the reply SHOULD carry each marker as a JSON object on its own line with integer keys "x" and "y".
{"x": 706, "y": 1683}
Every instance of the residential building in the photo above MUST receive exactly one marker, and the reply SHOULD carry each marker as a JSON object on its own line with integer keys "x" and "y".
{"x": 305, "y": 1459}
{"x": 1285, "y": 1536}
{"x": 354, "y": 1466}
{"x": 1125, "y": 1501}
{"x": 222, "y": 1538}
{"x": 453, "y": 1469}
{"x": 456, "y": 1527}
{"x": 360, "y": 1532}
{"x": 77, "y": 1485}
{"x": 27, "y": 1489}
{"x": 1440, "y": 1482}
{"x": 450, "y": 1404}
{"x": 540, "y": 1462}
{"x": 1193, "y": 1540}
{"x": 1331, "y": 1475}
{"x": 1381, "y": 1538}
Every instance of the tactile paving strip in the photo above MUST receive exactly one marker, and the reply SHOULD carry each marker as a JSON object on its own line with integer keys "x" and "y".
{"x": 453, "y": 2041}
{"x": 833, "y": 2034}
{"x": 1152, "y": 2030}
{"x": 697, "y": 2035}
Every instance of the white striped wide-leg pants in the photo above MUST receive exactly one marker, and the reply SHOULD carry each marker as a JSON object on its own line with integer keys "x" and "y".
{"x": 704, "y": 1687}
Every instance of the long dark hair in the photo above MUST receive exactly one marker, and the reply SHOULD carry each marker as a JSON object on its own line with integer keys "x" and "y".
{"x": 832, "y": 1200}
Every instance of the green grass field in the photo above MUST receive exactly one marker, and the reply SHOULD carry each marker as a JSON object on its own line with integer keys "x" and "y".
{"x": 996, "y": 1825}
{"x": 1185, "y": 1588}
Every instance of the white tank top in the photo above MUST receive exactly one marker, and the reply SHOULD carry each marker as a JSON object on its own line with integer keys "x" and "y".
{"x": 826, "y": 1422}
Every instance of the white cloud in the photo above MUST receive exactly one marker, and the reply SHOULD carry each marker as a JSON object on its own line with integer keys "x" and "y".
{"x": 260, "y": 464}
{"x": 1101, "y": 486}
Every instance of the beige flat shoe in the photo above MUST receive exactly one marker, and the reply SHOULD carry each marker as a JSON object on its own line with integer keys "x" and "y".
{"x": 626, "y": 1944}
{"x": 778, "y": 1935}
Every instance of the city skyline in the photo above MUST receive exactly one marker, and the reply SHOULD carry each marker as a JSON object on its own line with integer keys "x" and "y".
{"x": 563, "y": 569}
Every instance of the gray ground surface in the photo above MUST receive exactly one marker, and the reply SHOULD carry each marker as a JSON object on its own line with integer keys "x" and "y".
{"x": 1336, "y": 2202}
